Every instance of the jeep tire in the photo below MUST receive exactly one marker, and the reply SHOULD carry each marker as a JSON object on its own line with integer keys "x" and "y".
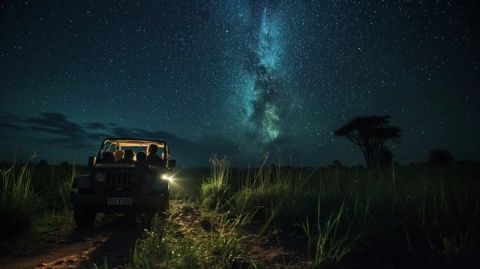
{"x": 160, "y": 212}
{"x": 84, "y": 217}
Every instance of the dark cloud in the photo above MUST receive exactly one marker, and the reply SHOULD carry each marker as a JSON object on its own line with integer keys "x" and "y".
{"x": 96, "y": 136}
{"x": 65, "y": 133}
{"x": 4, "y": 115}
{"x": 10, "y": 126}
{"x": 96, "y": 125}
{"x": 123, "y": 132}
{"x": 59, "y": 125}
{"x": 9, "y": 121}
{"x": 60, "y": 134}
{"x": 55, "y": 123}
{"x": 68, "y": 142}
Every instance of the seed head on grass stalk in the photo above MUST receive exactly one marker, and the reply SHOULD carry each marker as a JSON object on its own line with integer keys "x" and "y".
{"x": 215, "y": 189}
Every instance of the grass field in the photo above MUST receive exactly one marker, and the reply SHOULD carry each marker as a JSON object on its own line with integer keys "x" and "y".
{"x": 413, "y": 216}
{"x": 33, "y": 200}
{"x": 395, "y": 217}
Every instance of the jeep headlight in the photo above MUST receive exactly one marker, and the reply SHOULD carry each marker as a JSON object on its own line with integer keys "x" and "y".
{"x": 100, "y": 176}
{"x": 167, "y": 176}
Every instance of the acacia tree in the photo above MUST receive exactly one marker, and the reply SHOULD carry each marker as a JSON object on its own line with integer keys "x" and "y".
{"x": 370, "y": 133}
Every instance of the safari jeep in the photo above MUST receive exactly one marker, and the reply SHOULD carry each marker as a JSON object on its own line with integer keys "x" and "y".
{"x": 133, "y": 188}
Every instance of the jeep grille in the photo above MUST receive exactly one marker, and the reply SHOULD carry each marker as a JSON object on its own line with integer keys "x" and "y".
{"x": 118, "y": 178}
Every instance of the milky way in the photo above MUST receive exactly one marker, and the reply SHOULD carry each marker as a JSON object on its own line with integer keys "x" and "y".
{"x": 263, "y": 111}
{"x": 259, "y": 89}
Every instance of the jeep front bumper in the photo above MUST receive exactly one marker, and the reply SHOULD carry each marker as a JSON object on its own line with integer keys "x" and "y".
{"x": 100, "y": 203}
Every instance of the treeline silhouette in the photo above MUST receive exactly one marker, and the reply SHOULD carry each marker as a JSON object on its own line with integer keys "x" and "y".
{"x": 372, "y": 133}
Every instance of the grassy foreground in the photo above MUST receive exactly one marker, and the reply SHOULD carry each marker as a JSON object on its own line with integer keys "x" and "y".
{"x": 34, "y": 202}
{"x": 398, "y": 217}
{"x": 193, "y": 238}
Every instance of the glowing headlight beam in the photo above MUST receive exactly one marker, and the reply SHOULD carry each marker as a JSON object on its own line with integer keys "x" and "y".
{"x": 168, "y": 177}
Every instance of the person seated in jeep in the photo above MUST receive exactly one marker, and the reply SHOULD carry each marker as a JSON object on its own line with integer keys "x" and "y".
{"x": 141, "y": 165}
{"x": 152, "y": 157}
{"x": 141, "y": 159}
{"x": 128, "y": 158}
{"x": 119, "y": 154}
{"x": 107, "y": 157}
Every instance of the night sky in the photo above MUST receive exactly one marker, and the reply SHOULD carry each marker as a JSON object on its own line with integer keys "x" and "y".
{"x": 238, "y": 78}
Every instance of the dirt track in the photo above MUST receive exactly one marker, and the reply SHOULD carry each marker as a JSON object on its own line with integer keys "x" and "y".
{"x": 111, "y": 239}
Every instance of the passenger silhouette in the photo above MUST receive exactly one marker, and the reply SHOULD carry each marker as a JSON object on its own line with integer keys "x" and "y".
{"x": 128, "y": 158}
{"x": 152, "y": 157}
{"x": 119, "y": 154}
{"x": 141, "y": 166}
{"x": 141, "y": 158}
{"x": 108, "y": 157}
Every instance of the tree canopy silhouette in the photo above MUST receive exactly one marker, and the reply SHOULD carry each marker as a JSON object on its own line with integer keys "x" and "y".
{"x": 385, "y": 157}
{"x": 370, "y": 134}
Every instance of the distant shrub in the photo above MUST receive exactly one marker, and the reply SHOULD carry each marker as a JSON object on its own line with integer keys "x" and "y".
{"x": 440, "y": 157}
{"x": 42, "y": 163}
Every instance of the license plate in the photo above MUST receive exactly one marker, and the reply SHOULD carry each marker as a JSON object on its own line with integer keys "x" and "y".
{"x": 120, "y": 201}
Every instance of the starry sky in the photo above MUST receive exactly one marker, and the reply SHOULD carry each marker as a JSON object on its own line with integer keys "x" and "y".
{"x": 239, "y": 78}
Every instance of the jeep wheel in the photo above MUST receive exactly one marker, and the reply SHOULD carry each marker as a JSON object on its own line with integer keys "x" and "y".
{"x": 159, "y": 212}
{"x": 84, "y": 217}
{"x": 150, "y": 214}
{"x": 165, "y": 207}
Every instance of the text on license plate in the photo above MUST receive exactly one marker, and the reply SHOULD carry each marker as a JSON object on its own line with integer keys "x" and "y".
{"x": 120, "y": 201}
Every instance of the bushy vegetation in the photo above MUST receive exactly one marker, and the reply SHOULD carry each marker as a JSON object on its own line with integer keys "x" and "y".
{"x": 18, "y": 201}
{"x": 215, "y": 190}
{"x": 399, "y": 215}
{"x": 30, "y": 195}
{"x": 192, "y": 238}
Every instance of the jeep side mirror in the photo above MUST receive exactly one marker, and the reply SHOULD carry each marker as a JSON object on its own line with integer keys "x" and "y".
{"x": 92, "y": 160}
{"x": 172, "y": 163}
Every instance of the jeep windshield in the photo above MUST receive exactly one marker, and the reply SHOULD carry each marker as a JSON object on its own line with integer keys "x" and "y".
{"x": 110, "y": 145}
{"x": 131, "y": 148}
